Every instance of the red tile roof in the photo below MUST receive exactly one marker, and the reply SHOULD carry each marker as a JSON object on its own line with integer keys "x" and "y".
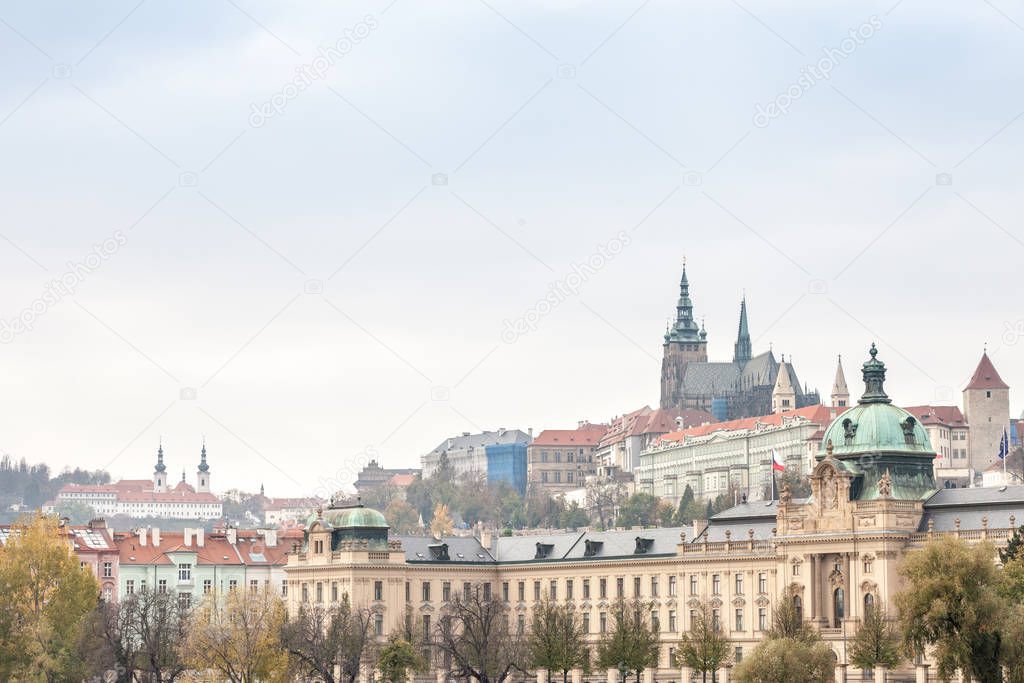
{"x": 662, "y": 421}
{"x": 947, "y": 416}
{"x": 585, "y": 435}
{"x": 818, "y": 414}
{"x": 402, "y": 480}
{"x": 175, "y": 496}
{"x": 216, "y": 549}
{"x": 985, "y": 376}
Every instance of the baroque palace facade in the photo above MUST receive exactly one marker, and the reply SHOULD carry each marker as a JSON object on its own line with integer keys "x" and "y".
{"x": 838, "y": 552}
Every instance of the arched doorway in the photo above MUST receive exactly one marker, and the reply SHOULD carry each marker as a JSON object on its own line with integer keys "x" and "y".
{"x": 838, "y": 607}
{"x": 798, "y": 605}
{"x": 869, "y": 603}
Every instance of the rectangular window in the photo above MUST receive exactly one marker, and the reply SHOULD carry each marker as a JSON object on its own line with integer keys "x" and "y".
{"x": 672, "y": 586}
{"x": 108, "y": 570}
{"x": 672, "y": 621}
{"x": 603, "y": 588}
{"x": 522, "y": 591}
{"x": 129, "y": 586}
{"x": 184, "y": 600}
{"x": 716, "y": 584}
{"x": 408, "y": 591}
{"x": 602, "y": 622}
{"x": 586, "y": 622}
{"x": 446, "y": 591}
{"x": 568, "y": 589}
{"x": 636, "y": 586}
{"x": 739, "y": 583}
{"x": 553, "y": 590}
{"x": 284, "y": 588}
{"x": 762, "y": 583}
{"x": 305, "y": 593}
{"x": 378, "y": 624}
{"x": 426, "y": 591}
{"x": 232, "y": 584}
{"x": 161, "y": 586}
{"x": 536, "y": 591}
{"x": 620, "y": 587}
{"x": 504, "y": 591}
{"x": 334, "y": 591}
{"x": 487, "y": 591}
{"x": 796, "y": 569}
{"x": 465, "y": 590}
{"x": 693, "y": 584}
{"x": 378, "y": 590}
{"x": 737, "y": 656}
{"x": 254, "y": 586}
{"x": 716, "y": 620}
{"x": 184, "y": 572}
{"x": 586, "y": 589}
{"x": 739, "y": 620}
{"x": 319, "y": 592}
{"x": 762, "y": 619}
{"x": 207, "y": 586}
{"x": 426, "y": 627}
{"x": 655, "y": 622}
{"x": 654, "y": 586}
{"x": 868, "y": 566}
{"x": 520, "y": 624}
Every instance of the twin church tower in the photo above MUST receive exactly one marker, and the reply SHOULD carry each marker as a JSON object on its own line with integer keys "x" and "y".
{"x": 729, "y": 390}
{"x": 160, "y": 484}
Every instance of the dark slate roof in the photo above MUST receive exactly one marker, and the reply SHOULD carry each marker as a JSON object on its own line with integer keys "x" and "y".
{"x": 738, "y": 529}
{"x": 572, "y": 546}
{"x": 971, "y": 505}
{"x": 520, "y": 548}
{"x": 461, "y": 549}
{"x": 484, "y": 439}
{"x": 710, "y": 378}
{"x": 760, "y": 370}
{"x": 753, "y": 510}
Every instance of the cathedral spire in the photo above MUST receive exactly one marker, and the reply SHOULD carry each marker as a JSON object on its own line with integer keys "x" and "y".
{"x": 685, "y": 328}
{"x": 840, "y": 393}
{"x": 742, "y": 351}
{"x": 160, "y": 467}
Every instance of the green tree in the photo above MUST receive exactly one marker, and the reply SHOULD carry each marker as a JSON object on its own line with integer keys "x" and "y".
{"x": 705, "y": 649}
{"x": 401, "y": 517}
{"x": 877, "y": 642}
{"x": 45, "y": 600}
{"x": 684, "y": 514}
{"x": 1014, "y": 546}
{"x": 784, "y": 660}
{"x": 1013, "y": 644}
{"x": 75, "y": 511}
{"x": 640, "y": 509}
{"x": 557, "y": 640}
{"x": 397, "y": 657}
{"x": 573, "y": 517}
{"x": 630, "y": 640}
{"x": 950, "y": 604}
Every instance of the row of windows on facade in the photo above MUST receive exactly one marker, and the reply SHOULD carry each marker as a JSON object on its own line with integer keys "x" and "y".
{"x": 570, "y": 456}
{"x": 106, "y": 572}
{"x": 185, "y": 576}
{"x": 555, "y": 477}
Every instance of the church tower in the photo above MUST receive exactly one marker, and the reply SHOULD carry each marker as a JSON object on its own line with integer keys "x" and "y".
{"x": 742, "y": 351}
{"x": 684, "y": 342}
{"x": 783, "y": 395}
{"x": 987, "y": 409}
{"x": 160, "y": 471}
{"x": 840, "y": 394}
{"x": 203, "y": 473}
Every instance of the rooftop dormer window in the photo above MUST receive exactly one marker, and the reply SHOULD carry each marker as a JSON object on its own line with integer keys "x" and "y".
{"x": 543, "y": 550}
{"x": 643, "y": 545}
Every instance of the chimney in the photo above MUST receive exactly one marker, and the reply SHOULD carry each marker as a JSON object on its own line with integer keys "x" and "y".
{"x": 232, "y": 535}
{"x": 156, "y": 536}
{"x": 699, "y": 526}
{"x": 142, "y": 537}
{"x": 201, "y": 537}
{"x": 486, "y": 538}
{"x": 187, "y": 537}
{"x": 270, "y": 538}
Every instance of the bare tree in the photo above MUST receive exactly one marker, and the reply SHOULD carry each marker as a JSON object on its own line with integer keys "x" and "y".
{"x": 604, "y": 495}
{"x": 474, "y": 639}
{"x": 320, "y": 639}
{"x": 108, "y": 641}
{"x": 160, "y": 623}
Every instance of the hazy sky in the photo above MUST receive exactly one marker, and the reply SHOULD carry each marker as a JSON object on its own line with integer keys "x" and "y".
{"x": 305, "y": 230}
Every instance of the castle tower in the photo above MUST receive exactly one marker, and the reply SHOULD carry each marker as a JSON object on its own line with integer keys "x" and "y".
{"x": 160, "y": 471}
{"x": 684, "y": 342}
{"x": 783, "y": 395}
{"x": 203, "y": 473}
{"x": 840, "y": 394}
{"x": 742, "y": 350}
{"x": 987, "y": 409}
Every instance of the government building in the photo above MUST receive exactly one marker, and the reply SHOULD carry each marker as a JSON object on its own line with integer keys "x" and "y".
{"x": 874, "y": 498}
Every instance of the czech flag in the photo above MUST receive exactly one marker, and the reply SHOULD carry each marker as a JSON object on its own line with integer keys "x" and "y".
{"x": 777, "y": 465}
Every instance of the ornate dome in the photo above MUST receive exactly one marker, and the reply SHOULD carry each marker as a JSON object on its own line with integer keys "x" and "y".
{"x": 875, "y": 425}
{"x": 350, "y": 517}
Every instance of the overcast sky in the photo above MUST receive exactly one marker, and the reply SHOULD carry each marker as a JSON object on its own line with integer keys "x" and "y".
{"x": 307, "y": 231}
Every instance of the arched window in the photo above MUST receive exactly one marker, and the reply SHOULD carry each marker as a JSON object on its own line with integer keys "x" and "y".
{"x": 798, "y": 605}
{"x": 839, "y": 607}
{"x": 869, "y": 603}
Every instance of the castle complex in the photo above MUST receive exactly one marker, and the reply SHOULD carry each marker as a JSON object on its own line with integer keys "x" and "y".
{"x": 728, "y": 390}
{"x": 838, "y": 552}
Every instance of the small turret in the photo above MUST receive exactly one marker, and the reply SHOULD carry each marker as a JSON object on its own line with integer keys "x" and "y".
{"x": 203, "y": 472}
{"x": 783, "y": 395}
{"x": 840, "y": 393}
{"x": 160, "y": 471}
{"x": 743, "y": 350}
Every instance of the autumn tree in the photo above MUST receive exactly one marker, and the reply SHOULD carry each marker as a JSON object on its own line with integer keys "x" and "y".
{"x": 877, "y": 642}
{"x": 704, "y": 648}
{"x": 557, "y": 640}
{"x": 401, "y": 517}
{"x": 397, "y": 658}
{"x": 236, "y": 636}
{"x": 45, "y": 599}
{"x": 474, "y": 638}
{"x": 630, "y": 641}
{"x": 441, "y": 524}
{"x": 950, "y": 605}
{"x": 322, "y": 639}
{"x": 784, "y": 660}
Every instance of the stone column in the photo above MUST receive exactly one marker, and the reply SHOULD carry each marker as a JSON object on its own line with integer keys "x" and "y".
{"x": 613, "y": 675}
{"x": 576, "y": 676}
{"x": 815, "y": 607}
{"x": 542, "y": 676}
{"x": 648, "y": 675}
{"x": 880, "y": 674}
{"x": 440, "y": 676}
{"x": 847, "y": 587}
{"x": 723, "y": 675}
{"x": 921, "y": 673}
{"x": 685, "y": 674}
{"x": 840, "y": 673}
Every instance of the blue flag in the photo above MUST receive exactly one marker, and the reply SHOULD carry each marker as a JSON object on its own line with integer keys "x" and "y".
{"x": 1004, "y": 446}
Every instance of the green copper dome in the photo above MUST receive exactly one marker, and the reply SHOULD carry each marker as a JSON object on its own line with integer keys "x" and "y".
{"x": 354, "y": 517}
{"x": 875, "y": 438}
